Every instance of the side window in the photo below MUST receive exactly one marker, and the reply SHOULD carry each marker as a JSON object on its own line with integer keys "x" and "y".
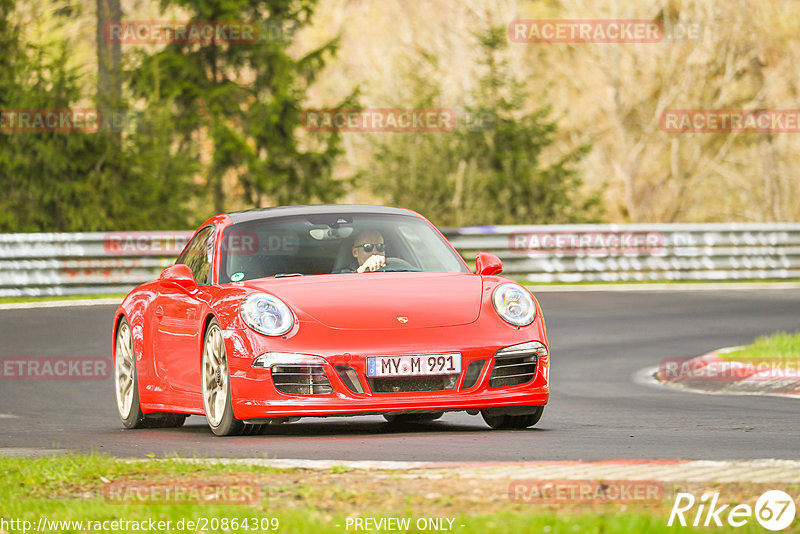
{"x": 198, "y": 255}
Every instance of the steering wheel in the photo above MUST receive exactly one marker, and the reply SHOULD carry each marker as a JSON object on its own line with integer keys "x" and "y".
{"x": 398, "y": 264}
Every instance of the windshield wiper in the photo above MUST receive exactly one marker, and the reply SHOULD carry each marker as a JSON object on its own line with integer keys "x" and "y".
{"x": 284, "y": 275}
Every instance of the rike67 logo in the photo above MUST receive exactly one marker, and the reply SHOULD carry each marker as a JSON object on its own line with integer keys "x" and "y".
{"x": 774, "y": 510}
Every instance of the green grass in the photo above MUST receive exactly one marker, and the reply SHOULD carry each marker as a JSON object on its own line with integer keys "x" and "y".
{"x": 777, "y": 347}
{"x": 70, "y": 488}
{"x": 339, "y": 469}
{"x": 50, "y": 298}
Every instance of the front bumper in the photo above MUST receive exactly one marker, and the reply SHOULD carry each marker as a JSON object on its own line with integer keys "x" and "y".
{"x": 255, "y": 396}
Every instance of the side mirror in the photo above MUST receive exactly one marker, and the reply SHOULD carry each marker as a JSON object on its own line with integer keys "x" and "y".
{"x": 178, "y": 275}
{"x": 488, "y": 264}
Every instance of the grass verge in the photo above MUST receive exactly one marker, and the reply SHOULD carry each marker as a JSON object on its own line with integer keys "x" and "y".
{"x": 75, "y": 488}
{"x": 780, "y": 347}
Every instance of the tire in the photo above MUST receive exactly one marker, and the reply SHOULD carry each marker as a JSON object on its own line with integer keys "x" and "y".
{"x": 404, "y": 418}
{"x": 216, "y": 386}
{"x": 126, "y": 387}
{"x": 513, "y": 422}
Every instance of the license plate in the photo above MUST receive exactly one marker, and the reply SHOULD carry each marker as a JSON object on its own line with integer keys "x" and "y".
{"x": 414, "y": 365}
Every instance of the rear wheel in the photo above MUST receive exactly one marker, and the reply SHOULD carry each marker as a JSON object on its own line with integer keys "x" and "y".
{"x": 126, "y": 387}
{"x": 519, "y": 421}
{"x": 125, "y": 383}
{"x": 412, "y": 417}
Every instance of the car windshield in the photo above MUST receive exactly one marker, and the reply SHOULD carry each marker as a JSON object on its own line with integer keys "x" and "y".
{"x": 323, "y": 244}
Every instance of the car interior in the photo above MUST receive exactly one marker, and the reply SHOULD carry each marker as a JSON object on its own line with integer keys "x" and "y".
{"x": 305, "y": 248}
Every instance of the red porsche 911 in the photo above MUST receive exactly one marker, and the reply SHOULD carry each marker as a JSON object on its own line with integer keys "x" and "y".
{"x": 270, "y": 315}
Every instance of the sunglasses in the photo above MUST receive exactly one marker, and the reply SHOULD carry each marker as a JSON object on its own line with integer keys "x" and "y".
{"x": 380, "y": 247}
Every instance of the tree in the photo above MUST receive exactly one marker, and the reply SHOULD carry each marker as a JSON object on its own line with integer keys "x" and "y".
{"x": 244, "y": 99}
{"x": 9, "y": 41}
{"x": 732, "y": 56}
{"x": 46, "y": 176}
{"x": 109, "y": 56}
{"x": 488, "y": 171}
{"x": 81, "y": 180}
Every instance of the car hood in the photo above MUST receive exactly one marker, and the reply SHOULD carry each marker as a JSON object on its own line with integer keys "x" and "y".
{"x": 381, "y": 300}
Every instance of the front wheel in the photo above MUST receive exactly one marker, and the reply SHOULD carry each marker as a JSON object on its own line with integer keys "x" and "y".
{"x": 511, "y": 422}
{"x": 217, "y": 387}
{"x": 216, "y": 384}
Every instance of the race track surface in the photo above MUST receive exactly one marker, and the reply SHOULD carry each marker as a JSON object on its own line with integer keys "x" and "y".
{"x": 598, "y": 340}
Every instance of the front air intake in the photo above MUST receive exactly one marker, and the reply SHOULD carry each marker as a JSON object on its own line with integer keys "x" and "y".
{"x": 350, "y": 379}
{"x": 299, "y": 379}
{"x": 516, "y": 365}
{"x": 472, "y": 374}
{"x": 512, "y": 371}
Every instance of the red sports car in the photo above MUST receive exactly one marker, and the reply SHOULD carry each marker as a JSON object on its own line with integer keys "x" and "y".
{"x": 269, "y": 315}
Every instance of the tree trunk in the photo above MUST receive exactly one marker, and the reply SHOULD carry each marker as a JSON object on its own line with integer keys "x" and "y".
{"x": 109, "y": 81}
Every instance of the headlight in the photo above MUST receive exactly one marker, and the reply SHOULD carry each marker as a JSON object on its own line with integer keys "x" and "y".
{"x": 513, "y": 304}
{"x": 266, "y": 314}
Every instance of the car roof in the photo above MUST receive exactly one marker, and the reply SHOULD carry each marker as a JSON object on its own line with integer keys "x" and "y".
{"x": 321, "y": 209}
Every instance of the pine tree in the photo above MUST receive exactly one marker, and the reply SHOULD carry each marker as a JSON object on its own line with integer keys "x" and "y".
{"x": 246, "y": 98}
{"x": 490, "y": 169}
{"x": 129, "y": 178}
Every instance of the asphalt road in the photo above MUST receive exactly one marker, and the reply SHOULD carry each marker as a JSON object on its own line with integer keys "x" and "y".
{"x": 598, "y": 340}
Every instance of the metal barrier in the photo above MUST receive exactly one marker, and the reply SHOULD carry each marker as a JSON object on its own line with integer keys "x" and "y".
{"x": 87, "y": 263}
{"x": 642, "y": 252}
{"x": 115, "y": 262}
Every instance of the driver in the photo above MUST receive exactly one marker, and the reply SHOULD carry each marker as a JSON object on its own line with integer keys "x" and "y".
{"x": 369, "y": 250}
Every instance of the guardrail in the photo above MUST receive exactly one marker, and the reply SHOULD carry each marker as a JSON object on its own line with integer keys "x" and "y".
{"x": 86, "y": 263}
{"x": 642, "y": 252}
{"x": 115, "y": 262}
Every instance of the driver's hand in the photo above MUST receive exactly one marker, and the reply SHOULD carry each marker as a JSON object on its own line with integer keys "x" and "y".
{"x": 373, "y": 263}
